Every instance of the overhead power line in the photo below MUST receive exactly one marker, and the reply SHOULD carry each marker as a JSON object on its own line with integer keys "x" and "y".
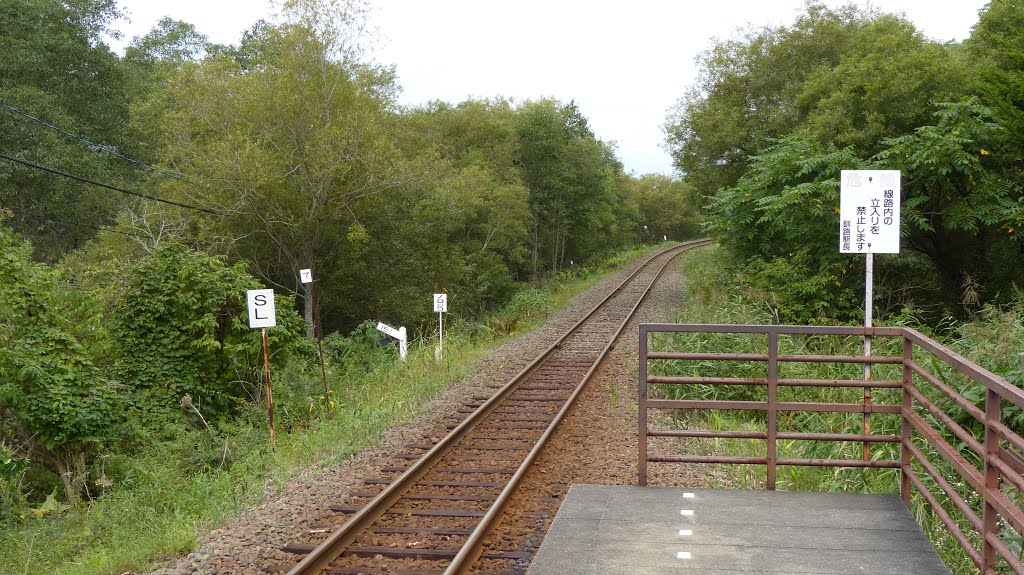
{"x": 91, "y": 144}
{"x": 102, "y": 185}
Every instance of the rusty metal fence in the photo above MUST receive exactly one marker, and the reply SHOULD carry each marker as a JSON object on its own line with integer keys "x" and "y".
{"x": 957, "y": 452}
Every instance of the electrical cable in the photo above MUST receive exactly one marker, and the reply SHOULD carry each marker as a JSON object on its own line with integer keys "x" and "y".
{"x": 102, "y": 185}
{"x": 93, "y": 145}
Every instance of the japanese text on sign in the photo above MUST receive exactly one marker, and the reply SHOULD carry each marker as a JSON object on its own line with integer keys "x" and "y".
{"x": 441, "y": 302}
{"x": 869, "y": 212}
{"x": 306, "y": 276}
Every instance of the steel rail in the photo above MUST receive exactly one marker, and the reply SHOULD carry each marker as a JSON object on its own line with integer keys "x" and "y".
{"x": 342, "y": 538}
{"x": 472, "y": 548}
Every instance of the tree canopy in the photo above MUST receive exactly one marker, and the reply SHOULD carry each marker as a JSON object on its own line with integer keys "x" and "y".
{"x": 780, "y": 112}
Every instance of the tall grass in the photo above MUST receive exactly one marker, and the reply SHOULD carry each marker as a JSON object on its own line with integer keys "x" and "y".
{"x": 184, "y": 481}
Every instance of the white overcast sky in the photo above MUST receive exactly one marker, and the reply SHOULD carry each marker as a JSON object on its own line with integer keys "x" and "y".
{"x": 625, "y": 63}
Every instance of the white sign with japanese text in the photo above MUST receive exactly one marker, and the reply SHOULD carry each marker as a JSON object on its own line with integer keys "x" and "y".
{"x": 306, "y": 276}
{"x": 441, "y": 302}
{"x": 869, "y": 212}
{"x": 261, "y": 308}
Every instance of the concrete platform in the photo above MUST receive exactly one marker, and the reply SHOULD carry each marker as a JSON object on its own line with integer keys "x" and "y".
{"x": 616, "y": 530}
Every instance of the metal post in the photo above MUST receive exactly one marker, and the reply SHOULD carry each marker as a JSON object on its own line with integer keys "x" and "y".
{"x": 641, "y": 404}
{"x": 907, "y": 430}
{"x": 270, "y": 397}
{"x": 868, "y": 311}
{"x": 990, "y": 518}
{"x": 318, "y": 331}
{"x": 773, "y": 380}
{"x": 440, "y": 333}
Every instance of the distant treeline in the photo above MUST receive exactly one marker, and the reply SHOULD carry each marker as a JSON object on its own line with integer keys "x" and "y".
{"x": 291, "y": 151}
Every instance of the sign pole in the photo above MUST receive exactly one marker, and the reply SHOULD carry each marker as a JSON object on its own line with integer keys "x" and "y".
{"x": 306, "y": 277}
{"x": 869, "y": 273}
{"x": 440, "y": 306}
{"x": 270, "y": 397}
{"x": 869, "y": 223}
{"x": 318, "y": 330}
{"x": 261, "y": 316}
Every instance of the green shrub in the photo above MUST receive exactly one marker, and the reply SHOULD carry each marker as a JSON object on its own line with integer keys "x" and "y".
{"x": 802, "y": 291}
{"x": 54, "y": 403}
{"x": 180, "y": 329}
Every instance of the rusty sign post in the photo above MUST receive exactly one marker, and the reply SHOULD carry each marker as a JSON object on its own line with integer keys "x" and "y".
{"x": 262, "y": 315}
{"x": 306, "y": 277}
{"x": 869, "y": 224}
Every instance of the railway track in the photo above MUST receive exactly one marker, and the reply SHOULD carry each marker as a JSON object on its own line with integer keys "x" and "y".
{"x": 430, "y": 514}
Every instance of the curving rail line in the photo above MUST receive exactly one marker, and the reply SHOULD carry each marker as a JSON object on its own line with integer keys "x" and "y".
{"x": 434, "y": 515}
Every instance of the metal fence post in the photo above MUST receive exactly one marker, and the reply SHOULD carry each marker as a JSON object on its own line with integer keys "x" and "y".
{"x": 906, "y": 434}
{"x": 990, "y": 518}
{"x": 773, "y": 379}
{"x": 641, "y": 408}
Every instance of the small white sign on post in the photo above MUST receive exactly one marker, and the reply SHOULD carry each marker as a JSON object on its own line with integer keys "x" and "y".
{"x": 441, "y": 307}
{"x": 869, "y": 212}
{"x": 261, "y": 308}
{"x": 400, "y": 334}
{"x": 306, "y": 276}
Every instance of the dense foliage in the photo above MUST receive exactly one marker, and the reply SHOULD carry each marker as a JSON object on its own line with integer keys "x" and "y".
{"x": 781, "y": 111}
{"x": 122, "y": 317}
{"x": 55, "y": 67}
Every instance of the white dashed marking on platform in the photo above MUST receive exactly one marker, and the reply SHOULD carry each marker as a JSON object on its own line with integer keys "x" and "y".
{"x": 686, "y": 512}
{"x": 686, "y": 532}
{"x": 683, "y": 555}
{"x": 688, "y": 495}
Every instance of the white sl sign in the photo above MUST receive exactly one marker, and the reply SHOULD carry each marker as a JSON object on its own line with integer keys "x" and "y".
{"x": 261, "y": 308}
{"x": 306, "y": 276}
{"x": 441, "y": 302}
{"x": 869, "y": 212}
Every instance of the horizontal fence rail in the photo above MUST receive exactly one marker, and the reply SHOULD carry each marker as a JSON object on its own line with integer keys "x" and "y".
{"x": 956, "y": 448}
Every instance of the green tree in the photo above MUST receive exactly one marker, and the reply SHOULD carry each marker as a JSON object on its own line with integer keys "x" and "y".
{"x": 55, "y": 403}
{"x": 469, "y": 150}
{"x": 56, "y": 67}
{"x": 844, "y": 77}
{"x": 285, "y": 136}
{"x": 571, "y": 177}
{"x": 961, "y": 209}
{"x": 997, "y": 43}
{"x": 781, "y": 220}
